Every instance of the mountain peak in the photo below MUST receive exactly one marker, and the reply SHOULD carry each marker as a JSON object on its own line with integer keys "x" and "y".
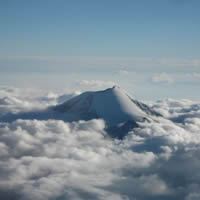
{"x": 113, "y": 90}
{"x": 116, "y": 87}
{"x": 113, "y": 105}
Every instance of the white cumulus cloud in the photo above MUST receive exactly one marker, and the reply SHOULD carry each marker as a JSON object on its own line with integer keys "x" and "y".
{"x": 53, "y": 159}
{"x": 162, "y": 78}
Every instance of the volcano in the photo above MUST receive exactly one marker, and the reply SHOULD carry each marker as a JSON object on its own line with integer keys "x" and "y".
{"x": 120, "y": 112}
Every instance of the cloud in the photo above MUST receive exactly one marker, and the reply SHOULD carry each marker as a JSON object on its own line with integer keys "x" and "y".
{"x": 178, "y": 110}
{"x": 196, "y": 75}
{"x": 162, "y": 78}
{"x": 176, "y": 77}
{"x": 48, "y": 63}
{"x": 52, "y": 159}
{"x": 95, "y": 84}
{"x": 46, "y": 159}
{"x": 15, "y": 100}
{"x": 123, "y": 72}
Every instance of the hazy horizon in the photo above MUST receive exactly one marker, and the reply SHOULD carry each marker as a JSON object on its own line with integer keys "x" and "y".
{"x": 150, "y": 48}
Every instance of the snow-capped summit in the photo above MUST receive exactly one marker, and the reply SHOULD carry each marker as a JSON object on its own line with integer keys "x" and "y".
{"x": 113, "y": 105}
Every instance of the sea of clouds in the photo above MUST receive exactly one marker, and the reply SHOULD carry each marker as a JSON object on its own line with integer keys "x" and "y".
{"x": 53, "y": 159}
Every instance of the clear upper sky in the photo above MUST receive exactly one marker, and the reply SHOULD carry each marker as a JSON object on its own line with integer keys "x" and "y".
{"x": 143, "y": 45}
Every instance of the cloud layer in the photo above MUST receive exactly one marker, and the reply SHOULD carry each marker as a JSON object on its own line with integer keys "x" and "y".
{"x": 51, "y": 159}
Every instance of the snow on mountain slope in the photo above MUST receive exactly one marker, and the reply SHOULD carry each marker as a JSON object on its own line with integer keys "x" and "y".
{"x": 113, "y": 105}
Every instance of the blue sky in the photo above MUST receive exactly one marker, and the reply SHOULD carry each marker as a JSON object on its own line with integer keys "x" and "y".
{"x": 152, "y": 48}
